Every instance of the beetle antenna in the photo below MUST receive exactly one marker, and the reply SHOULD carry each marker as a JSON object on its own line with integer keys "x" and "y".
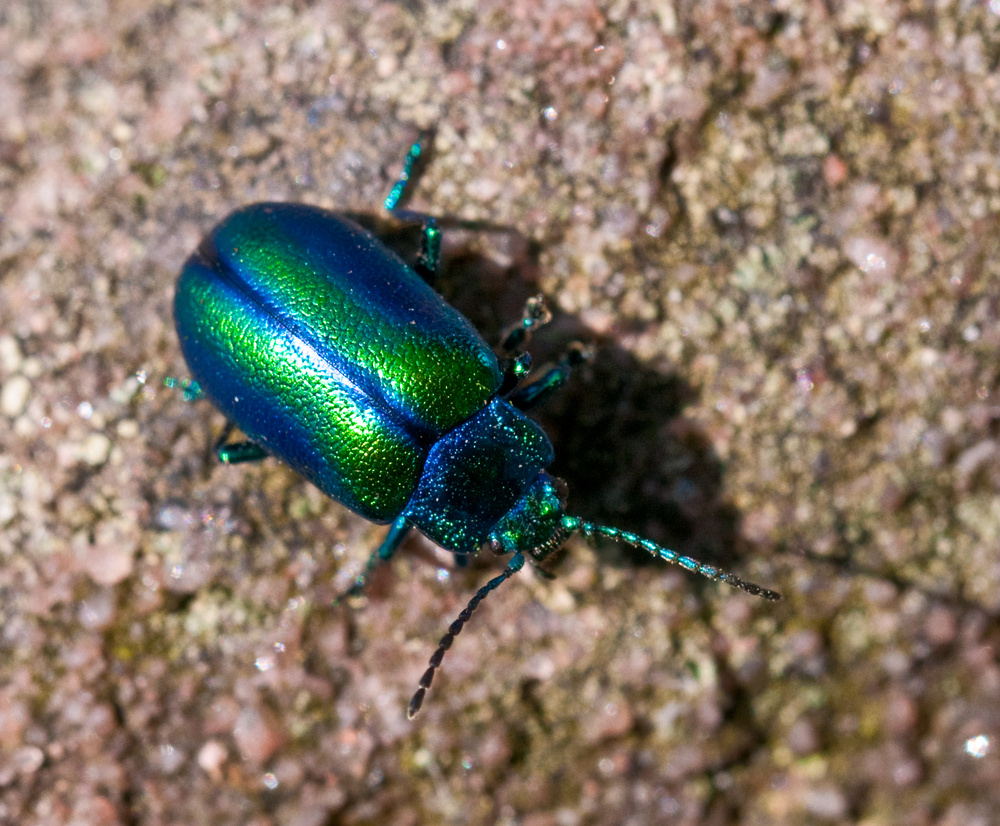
{"x": 515, "y": 565}
{"x": 686, "y": 562}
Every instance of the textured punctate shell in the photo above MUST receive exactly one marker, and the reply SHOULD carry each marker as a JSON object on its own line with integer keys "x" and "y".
{"x": 327, "y": 350}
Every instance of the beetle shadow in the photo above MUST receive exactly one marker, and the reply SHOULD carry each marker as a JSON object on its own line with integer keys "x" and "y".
{"x": 628, "y": 457}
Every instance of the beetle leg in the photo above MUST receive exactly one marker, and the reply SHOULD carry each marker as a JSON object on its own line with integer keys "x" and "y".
{"x": 192, "y": 390}
{"x": 239, "y": 452}
{"x": 516, "y": 362}
{"x": 397, "y": 533}
{"x": 531, "y": 395}
{"x": 408, "y": 174}
{"x": 429, "y": 259}
{"x": 535, "y": 315}
{"x": 235, "y": 453}
{"x": 514, "y": 371}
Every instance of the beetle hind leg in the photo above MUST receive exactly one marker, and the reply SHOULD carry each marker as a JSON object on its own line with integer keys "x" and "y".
{"x": 234, "y": 453}
{"x": 192, "y": 390}
{"x": 429, "y": 258}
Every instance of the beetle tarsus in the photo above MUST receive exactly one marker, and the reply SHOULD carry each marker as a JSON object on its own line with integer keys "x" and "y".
{"x": 395, "y": 195}
{"x": 536, "y": 314}
{"x": 192, "y": 390}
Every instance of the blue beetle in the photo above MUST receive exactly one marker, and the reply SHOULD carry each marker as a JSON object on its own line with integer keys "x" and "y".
{"x": 332, "y": 354}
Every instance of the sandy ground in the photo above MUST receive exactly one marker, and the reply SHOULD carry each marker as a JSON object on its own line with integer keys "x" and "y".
{"x": 776, "y": 225}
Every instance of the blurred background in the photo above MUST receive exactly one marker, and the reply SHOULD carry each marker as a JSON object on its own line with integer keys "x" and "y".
{"x": 776, "y": 224}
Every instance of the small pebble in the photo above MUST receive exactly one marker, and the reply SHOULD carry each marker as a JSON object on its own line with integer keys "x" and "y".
{"x": 14, "y": 397}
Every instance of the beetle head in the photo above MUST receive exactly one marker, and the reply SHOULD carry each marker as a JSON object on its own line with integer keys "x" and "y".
{"x": 536, "y": 525}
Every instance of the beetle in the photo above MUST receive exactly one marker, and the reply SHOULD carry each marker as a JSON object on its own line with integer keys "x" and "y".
{"x": 332, "y": 354}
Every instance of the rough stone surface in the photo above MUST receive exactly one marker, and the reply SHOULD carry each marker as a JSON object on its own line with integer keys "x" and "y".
{"x": 777, "y": 225}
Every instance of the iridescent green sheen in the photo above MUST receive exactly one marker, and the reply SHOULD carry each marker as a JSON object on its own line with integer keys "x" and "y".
{"x": 328, "y": 351}
{"x": 348, "y": 295}
{"x": 276, "y": 387}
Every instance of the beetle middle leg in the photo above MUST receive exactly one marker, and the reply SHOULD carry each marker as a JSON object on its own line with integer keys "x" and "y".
{"x": 537, "y": 392}
{"x": 230, "y": 454}
{"x": 517, "y": 363}
{"x": 397, "y": 533}
{"x": 247, "y": 451}
{"x": 535, "y": 314}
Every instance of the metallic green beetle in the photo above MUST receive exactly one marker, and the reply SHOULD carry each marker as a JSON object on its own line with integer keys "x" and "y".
{"x": 332, "y": 354}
